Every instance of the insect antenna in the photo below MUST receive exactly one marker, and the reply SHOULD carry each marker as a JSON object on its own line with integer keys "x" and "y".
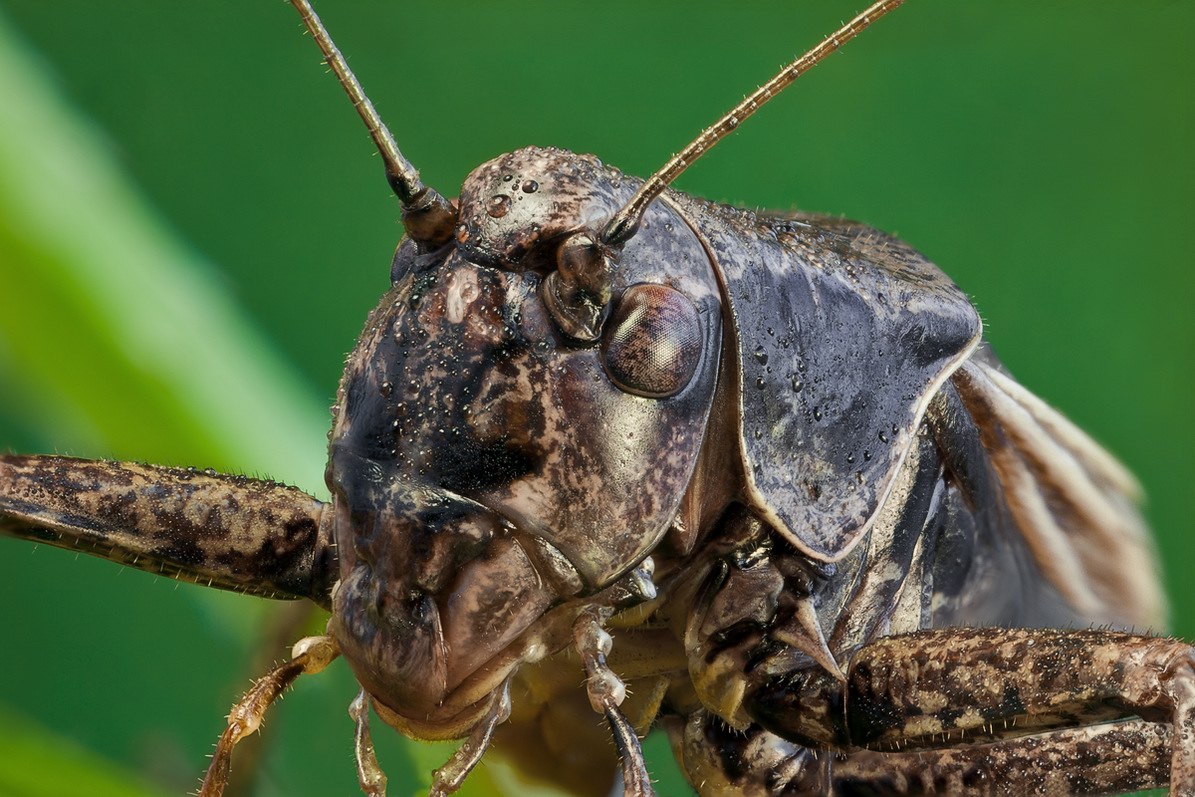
{"x": 626, "y": 221}
{"x": 427, "y": 216}
{"x": 578, "y": 292}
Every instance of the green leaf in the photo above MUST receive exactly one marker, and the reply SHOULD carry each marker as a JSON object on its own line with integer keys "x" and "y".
{"x": 43, "y": 765}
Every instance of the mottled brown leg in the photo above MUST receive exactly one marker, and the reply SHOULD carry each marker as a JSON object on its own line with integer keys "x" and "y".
{"x": 920, "y": 689}
{"x": 229, "y": 532}
{"x": 448, "y": 778}
{"x": 949, "y": 687}
{"x": 1099, "y": 760}
{"x": 309, "y": 656}
{"x": 606, "y": 693}
{"x": 369, "y": 772}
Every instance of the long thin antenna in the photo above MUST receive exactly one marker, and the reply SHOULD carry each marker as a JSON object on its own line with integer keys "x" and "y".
{"x": 427, "y": 216}
{"x": 626, "y": 221}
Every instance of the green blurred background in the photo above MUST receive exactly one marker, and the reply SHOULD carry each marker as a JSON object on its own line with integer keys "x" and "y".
{"x": 193, "y": 227}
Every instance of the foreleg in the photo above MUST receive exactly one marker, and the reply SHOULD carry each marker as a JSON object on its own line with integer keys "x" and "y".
{"x": 984, "y": 687}
{"x": 1099, "y": 760}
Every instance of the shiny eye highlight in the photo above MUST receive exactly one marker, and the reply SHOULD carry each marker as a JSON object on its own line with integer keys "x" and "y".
{"x": 653, "y": 341}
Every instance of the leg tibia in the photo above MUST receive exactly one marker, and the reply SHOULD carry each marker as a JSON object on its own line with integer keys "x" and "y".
{"x": 989, "y": 682}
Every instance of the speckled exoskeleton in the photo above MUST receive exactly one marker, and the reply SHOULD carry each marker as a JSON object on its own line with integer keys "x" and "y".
{"x": 760, "y": 469}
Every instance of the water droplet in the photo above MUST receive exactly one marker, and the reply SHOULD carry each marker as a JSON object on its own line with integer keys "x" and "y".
{"x": 530, "y": 186}
{"x": 883, "y": 437}
{"x": 796, "y": 383}
{"x": 760, "y": 383}
{"x": 506, "y": 178}
{"x": 817, "y": 413}
{"x": 386, "y": 389}
{"x": 498, "y": 206}
{"x": 761, "y": 355}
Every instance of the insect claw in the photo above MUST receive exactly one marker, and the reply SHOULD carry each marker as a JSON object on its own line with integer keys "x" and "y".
{"x": 808, "y": 638}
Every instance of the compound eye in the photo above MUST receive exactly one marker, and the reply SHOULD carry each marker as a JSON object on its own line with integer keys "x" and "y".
{"x": 653, "y": 341}
{"x": 404, "y": 258}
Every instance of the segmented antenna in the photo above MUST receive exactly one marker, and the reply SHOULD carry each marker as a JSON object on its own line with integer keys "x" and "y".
{"x": 427, "y": 216}
{"x": 626, "y": 221}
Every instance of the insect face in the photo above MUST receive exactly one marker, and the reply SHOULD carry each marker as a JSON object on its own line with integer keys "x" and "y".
{"x": 480, "y": 455}
{"x": 1031, "y": 185}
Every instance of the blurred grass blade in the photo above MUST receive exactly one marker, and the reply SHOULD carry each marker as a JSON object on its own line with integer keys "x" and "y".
{"x": 97, "y": 298}
{"x": 51, "y": 767}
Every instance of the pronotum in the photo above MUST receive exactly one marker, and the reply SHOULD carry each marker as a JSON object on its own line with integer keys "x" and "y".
{"x": 999, "y": 243}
